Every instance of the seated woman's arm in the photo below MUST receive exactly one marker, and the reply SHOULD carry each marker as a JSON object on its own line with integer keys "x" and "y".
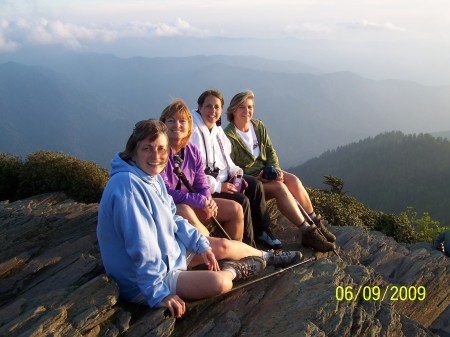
{"x": 193, "y": 199}
{"x": 266, "y": 147}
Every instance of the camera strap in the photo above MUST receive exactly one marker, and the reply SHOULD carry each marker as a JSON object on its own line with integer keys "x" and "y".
{"x": 223, "y": 153}
{"x": 177, "y": 163}
{"x": 206, "y": 152}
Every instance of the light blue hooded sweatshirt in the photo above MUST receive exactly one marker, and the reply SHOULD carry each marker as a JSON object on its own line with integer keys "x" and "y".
{"x": 139, "y": 235}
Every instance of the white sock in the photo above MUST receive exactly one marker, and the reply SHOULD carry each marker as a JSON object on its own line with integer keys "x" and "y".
{"x": 232, "y": 271}
{"x": 265, "y": 255}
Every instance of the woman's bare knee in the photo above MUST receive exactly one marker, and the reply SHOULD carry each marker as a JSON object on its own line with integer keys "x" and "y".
{"x": 238, "y": 211}
{"x": 291, "y": 177}
{"x": 221, "y": 284}
{"x": 184, "y": 210}
{"x": 220, "y": 247}
{"x": 281, "y": 191}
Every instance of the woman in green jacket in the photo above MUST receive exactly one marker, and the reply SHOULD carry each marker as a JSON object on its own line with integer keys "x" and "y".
{"x": 253, "y": 151}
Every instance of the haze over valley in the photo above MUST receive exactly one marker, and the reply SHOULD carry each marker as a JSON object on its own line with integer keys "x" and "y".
{"x": 76, "y": 76}
{"x": 86, "y": 104}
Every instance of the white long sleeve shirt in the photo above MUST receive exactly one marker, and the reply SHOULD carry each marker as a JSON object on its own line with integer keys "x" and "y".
{"x": 209, "y": 143}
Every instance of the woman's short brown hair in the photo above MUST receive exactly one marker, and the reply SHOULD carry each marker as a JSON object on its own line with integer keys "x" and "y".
{"x": 148, "y": 128}
{"x": 210, "y": 92}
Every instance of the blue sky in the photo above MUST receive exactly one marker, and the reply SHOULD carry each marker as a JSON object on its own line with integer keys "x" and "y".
{"x": 404, "y": 34}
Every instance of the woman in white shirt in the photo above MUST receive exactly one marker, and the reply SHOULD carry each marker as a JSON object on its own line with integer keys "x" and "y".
{"x": 215, "y": 148}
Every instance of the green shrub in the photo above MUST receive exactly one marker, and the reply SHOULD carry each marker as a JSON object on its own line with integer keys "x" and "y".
{"x": 397, "y": 227}
{"x": 47, "y": 171}
{"x": 342, "y": 210}
{"x": 427, "y": 229}
{"x": 9, "y": 175}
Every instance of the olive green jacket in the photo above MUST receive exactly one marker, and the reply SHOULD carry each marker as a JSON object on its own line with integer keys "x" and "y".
{"x": 241, "y": 155}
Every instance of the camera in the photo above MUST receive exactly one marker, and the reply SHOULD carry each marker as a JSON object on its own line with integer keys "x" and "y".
{"x": 269, "y": 173}
{"x": 212, "y": 172}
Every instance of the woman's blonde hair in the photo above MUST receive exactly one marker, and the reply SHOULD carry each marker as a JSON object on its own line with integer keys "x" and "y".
{"x": 178, "y": 106}
{"x": 236, "y": 101}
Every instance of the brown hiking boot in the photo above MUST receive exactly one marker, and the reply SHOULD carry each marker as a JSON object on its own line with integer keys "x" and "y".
{"x": 312, "y": 238}
{"x": 283, "y": 258}
{"x": 245, "y": 267}
{"x": 320, "y": 224}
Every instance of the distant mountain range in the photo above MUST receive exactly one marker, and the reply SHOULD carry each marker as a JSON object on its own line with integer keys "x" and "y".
{"x": 87, "y": 104}
{"x": 389, "y": 172}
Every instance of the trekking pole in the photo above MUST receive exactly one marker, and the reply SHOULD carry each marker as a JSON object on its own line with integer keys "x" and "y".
{"x": 246, "y": 284}
{"x": 182, "y": 177}
{"x": 308, "y": 218}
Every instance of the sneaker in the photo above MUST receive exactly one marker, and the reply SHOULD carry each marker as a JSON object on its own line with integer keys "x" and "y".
{"x": 312, "y": 238}
{"x": 245, "y": 267}
{"x": 279, "y": 258}
{"x": 328, "y": 235}
{"x": 269, "y": 240}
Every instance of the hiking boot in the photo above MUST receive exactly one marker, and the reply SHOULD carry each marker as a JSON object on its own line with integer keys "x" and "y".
{"x": 320, "y": 224}
{"x": 312, "y": 238}
{"x": 245, "y": 267}
{"x": 269, "y": 240}
{"x": 279, "y": 258}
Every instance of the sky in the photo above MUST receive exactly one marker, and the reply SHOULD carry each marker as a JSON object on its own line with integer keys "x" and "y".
{"x": 405, "y": 39}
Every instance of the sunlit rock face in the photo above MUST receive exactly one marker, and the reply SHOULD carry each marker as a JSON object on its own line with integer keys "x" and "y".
{"x": 52, "y": 282}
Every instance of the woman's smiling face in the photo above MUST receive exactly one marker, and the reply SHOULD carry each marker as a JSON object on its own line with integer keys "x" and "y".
{"x": 211, "y": 110}
{"x": 151, "y": 156}
{"x": 244, "y": 112}
{"x": 177, "y": 128}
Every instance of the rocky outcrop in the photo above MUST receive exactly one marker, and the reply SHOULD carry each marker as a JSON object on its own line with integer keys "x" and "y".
{"x": 52, "y": 283}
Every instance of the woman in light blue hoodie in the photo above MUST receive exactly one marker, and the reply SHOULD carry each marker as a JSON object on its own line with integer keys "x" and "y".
{"x": 146, "y": 248}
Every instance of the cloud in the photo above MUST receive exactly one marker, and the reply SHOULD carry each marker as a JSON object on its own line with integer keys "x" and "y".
{"x": 146, "y": 29}
{"x": 368, "y": 25}
{"x": 20, "y": 32}
{"x": 5, "y": 44}
{"x": 306, "y": 29}
{"x": 294, "y": 29}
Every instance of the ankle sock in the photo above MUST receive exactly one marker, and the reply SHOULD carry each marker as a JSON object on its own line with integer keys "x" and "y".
{"x": 304, "y": 225}
{"x": 265, "y": 255}
{"x": 232, "y": 271}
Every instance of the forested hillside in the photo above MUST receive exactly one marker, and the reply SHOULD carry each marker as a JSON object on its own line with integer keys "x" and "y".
{"x": 389, "y": 172}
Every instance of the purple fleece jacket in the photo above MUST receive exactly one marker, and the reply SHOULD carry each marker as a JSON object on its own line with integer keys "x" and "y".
{"x": 192, "y": 167}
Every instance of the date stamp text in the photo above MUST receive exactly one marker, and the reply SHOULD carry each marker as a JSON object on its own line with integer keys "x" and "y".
{"x": 376, "y": 293}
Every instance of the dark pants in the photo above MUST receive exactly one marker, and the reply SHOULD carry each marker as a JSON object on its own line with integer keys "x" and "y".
{"x": 253, "y": 201}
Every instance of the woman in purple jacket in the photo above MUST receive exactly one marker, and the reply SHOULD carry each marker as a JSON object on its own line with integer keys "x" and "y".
{"x": 197, "y": 207}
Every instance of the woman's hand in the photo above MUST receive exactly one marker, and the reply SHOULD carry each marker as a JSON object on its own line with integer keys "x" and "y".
{"x": 228, "y": 188}
{"x": 261, "y": 178}
{"x": 280, "y": 175}
{"x": 210, "y": 260}
{"x": 175, "y": 304}
{"x": 210, "y": 208}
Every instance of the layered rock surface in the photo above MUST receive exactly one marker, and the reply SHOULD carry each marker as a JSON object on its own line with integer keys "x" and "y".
{"x": 52, "y": 283}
